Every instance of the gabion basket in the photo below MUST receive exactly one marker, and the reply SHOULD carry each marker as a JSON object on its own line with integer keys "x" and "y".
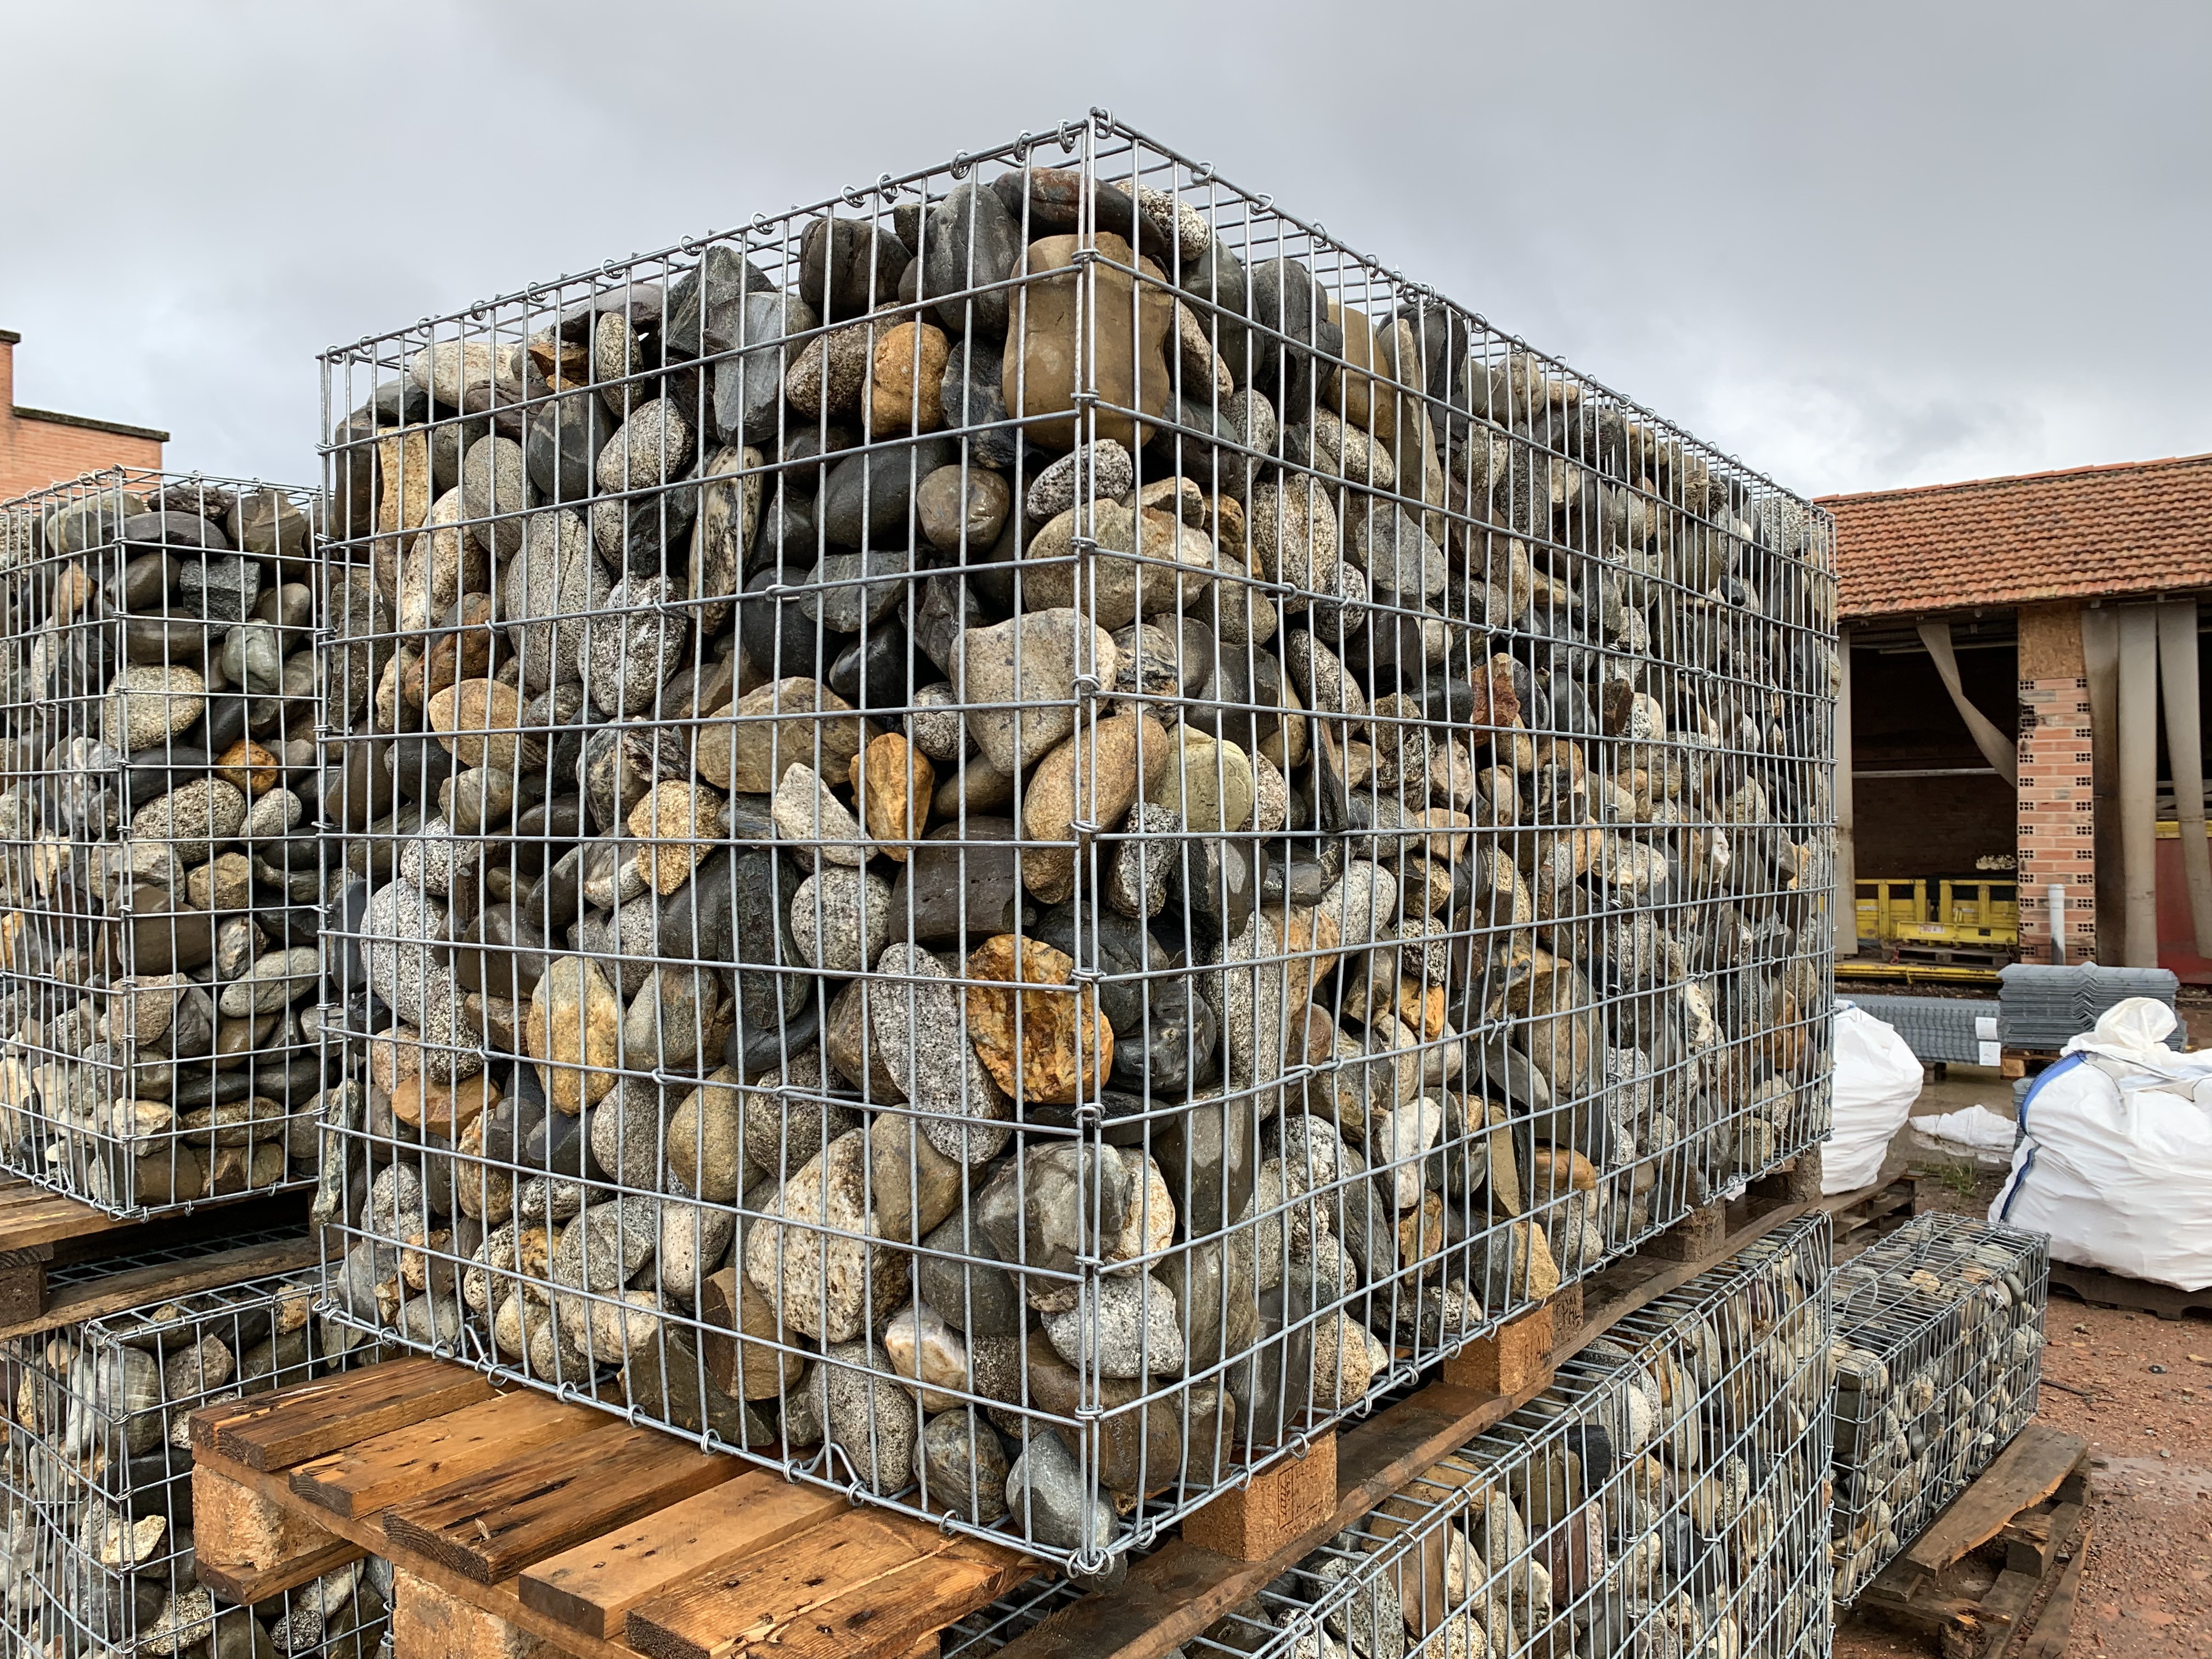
{"x": 1666, "y": 1494}
{"x": 98, "y": 1477}
{"x": 1039, "y": 803}
{"x": 1939, "y": 1357}
{"x": 162, "y": 878}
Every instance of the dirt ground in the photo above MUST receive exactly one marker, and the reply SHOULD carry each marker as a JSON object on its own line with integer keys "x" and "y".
{"x": 2139, "y": 1389}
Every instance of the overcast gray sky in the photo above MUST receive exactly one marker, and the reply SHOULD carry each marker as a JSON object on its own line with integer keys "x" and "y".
{"x": 1856, "y": 245}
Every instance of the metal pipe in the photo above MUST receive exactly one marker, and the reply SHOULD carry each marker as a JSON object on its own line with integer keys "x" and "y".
{"x": 2185, "y": 757}
{"x": 2139, "y": 783}
{"x": 1847, "y": 870}
{"x": 2054, "y": 898}
{"x": 2100, "y": 664}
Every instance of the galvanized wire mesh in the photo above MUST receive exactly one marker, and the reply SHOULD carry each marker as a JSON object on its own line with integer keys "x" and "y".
{"x": 98, "y": 1482}
{"x": 1666, "y": 1494}
{"x": 1939, "y": 1355}
{"x": 1043, "y": 781}
{"x": 160, "y": 881}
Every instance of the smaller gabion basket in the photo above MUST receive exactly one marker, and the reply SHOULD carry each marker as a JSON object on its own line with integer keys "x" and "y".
{"x": 98, "y": 1482}
{"x": 1939, "y": 1352}
{"x": 1666, "y": 1495}
{"x": 159, "y": 868}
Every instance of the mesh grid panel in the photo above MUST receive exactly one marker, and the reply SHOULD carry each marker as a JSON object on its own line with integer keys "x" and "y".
{"x": 1939, "y": 1354}
{"x": 1666, "y": 1495}
{"x": 160, "y": 879}
{"x": 98, "y": 1477}
{"x": 1007, "y": 841}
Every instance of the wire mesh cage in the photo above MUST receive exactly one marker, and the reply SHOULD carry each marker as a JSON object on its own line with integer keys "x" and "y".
{"x": 158, "y": 957}
{"x": 1666, "y": 1494}
{"x": 1041, "y": 781}
{"x": 1939, "y": 1357}
{"x": 98, "y": 1476}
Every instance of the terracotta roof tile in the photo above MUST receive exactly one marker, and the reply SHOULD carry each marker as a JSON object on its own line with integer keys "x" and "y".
{"x": 2137, "y": 527}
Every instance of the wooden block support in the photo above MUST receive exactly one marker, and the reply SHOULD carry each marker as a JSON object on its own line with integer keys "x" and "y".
{"x": 1516, "y": 1355}
{"x": 1798, "y": 1182}
{"x": 1694, "y": 1238}
{"x": 248, "y": 1546}
{"x": 1280, "y": 1502}
{"x": 429, "y": 1624}
{"x": 23, "y": 1283}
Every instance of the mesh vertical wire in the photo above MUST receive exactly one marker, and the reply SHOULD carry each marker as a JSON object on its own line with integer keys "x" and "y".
{"x": 1939, "y": 1357}
{"x": 1040, "y": 780}
{"x": 161, "y": 870}
{"x": 98, "y": 1474}
{"x": 1666, "y": 1494}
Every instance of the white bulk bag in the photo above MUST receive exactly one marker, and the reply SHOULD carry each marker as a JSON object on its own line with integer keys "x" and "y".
{"x": 2115, "y": 1154}
{"x": 1877, "y": 1080}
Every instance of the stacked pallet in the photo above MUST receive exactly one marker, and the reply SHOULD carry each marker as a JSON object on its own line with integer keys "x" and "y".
{"x": 1075, "y": 832}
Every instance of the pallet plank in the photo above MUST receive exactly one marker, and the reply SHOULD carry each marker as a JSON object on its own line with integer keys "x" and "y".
{"x": 424, "y": 1458}
{"x": 112, "y": 1293}
{"x": 275, "y": 1432}
{"x": 593, "y": 1586}
{"x": 2020, "y": 1477}
{"x": 869, "y": 1589}
{"x": 499, "y": 1601}
{"x": 554, "y": 1499}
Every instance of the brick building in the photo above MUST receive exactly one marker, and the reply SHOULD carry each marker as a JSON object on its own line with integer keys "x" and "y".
{"x": 39, "y": 446}
{"x": 2022, "y": 655}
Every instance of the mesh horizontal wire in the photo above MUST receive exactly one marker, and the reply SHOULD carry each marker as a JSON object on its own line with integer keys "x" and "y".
{"x": 1666, "y": 1495}
{"x": 99, "y": 1555}
{"x": 1939, "y": 1357}
{"x": 1006, "y": 842}
{"x": 160, "y": 871}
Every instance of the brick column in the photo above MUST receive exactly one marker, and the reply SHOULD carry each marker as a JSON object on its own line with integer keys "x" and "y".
{"x": 2056, "y": 813}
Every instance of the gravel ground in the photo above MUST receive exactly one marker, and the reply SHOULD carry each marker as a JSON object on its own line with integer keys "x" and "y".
{"x": 2147, "y": 1586}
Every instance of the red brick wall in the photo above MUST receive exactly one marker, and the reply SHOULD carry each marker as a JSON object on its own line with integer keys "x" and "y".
{"x": 2057, "y": 797}
{"x": 34, "y": 453}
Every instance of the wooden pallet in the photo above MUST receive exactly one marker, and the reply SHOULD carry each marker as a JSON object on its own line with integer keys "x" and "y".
{"x": 2102, "y": 1289}
{"x": 2026, "y": 1063}
{"x": 40, "y": 1230}
{"x": 1865, "y": 1213}
{"x": 1997, "y": 1574}
{"x": 515, "y": 1519}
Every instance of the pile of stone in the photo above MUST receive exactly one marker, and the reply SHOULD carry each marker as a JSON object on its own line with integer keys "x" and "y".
{"x": 1939, "y": 1357}
{"x": 97, "y": 1481}
{"x": 1038, "y": 800}
{"x": 1664, "y": 1495}
{"x": 160, "y": 881}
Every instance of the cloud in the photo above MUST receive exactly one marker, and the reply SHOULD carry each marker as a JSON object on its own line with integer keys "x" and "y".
{"x": 1856, "y": 247}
